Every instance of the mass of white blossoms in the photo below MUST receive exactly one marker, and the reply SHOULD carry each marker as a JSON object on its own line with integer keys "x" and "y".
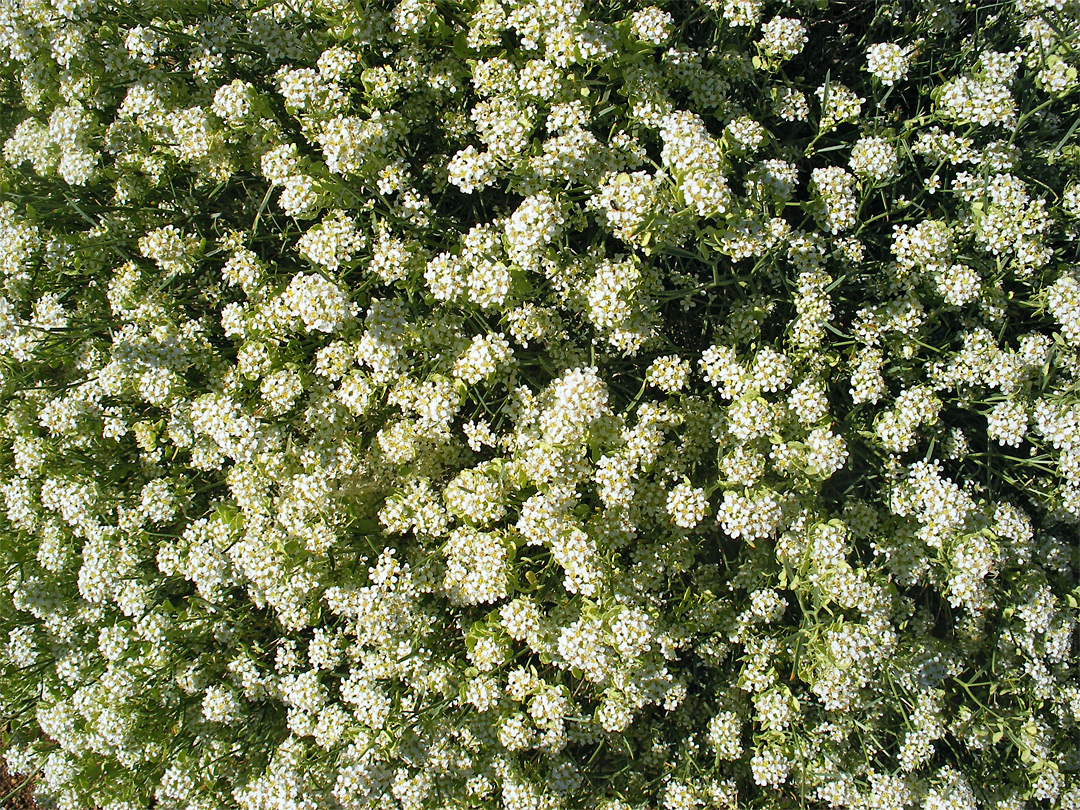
{"x": 687, "y": 505}
{"x": 320, "y": 304}
{"x": 888, "y": 62}
{"x": 540, "y": 404}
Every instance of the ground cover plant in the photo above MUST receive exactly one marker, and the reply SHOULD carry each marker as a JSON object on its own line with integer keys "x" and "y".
{"x": 540, "y": 403}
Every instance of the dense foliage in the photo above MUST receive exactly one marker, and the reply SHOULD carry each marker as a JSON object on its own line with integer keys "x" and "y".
{"x": 540, "y": 403}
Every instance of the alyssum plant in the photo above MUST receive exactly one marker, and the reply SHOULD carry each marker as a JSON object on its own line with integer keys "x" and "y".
{"x": 540, "y": 403}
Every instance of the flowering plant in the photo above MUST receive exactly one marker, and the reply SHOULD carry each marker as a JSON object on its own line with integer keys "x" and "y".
{"x": 540, "y": 404}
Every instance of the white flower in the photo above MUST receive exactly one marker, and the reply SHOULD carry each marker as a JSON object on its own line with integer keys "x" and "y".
{"x": 721, "y": 368}
{"x": 652, "y": 25}
{"x": 838, "y": 105}
{"x": 332, "y": 242}
{"x": 483, "y": 358}
{"x": 770, "y": 767}
{"x": 782, "y": 37}
{"x": 319, "y": 304}
{"x": 724, "y": 735}
{"x": 888, "y": 62}
{"x": 159, "y": 501}
{"x": 745, "y": 134}
{"x": 687, "y": 505}
{"x": 1008, "y": 423}
{"x": 873, "y": 158}
{"x": 471, "y": 170}
{"x": 835, "y": 190}
{"x": 221, "y": 705}
{"x": 976, "y": 101}
{"x": 749, "y": 517}
{"x": 476, "y": 569}
{"x": 232, "y": 102}
{"x": 669, "y": 373}
{"x": 1063, "y": 300}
